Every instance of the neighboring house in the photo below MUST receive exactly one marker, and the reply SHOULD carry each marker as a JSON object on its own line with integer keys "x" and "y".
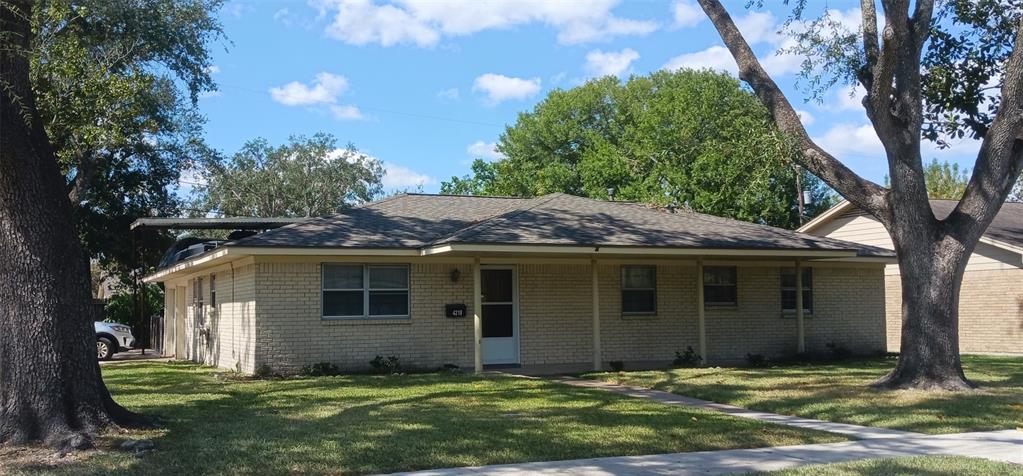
{"x": 549, "y": 283}
{"x": 991, "y": 297}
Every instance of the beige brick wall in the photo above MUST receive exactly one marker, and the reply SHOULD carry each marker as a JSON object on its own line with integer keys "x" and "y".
{"x": 990, "y": 311}
{"x": 290, "y": 332}
{"x": 555, "y": 312}
{"x": 231, "y": 343}
{"x": 649, "y": 338}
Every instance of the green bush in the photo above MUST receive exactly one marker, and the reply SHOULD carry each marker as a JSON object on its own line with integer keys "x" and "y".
{"x": 263, "y": 371}
{"x": 320, "y": 369}
{"x": 756, "y": 360}
{"x": 689, "y": 358}
{"x": 389, "y": 365}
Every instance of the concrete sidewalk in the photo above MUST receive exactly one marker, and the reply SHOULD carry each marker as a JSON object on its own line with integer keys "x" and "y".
{"x": 853, "y": 431}
{"x": 1005, "y": 446}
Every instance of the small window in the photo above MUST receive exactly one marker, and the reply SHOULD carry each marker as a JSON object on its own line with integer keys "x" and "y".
{"x": 199, "y": 302}
{"x": 719, "y": 286}
{"x": 788, "y": 289}
{"x": 213, "y": 291}
{"x": 639, "y": 290}
{"x": 365, "y": 291}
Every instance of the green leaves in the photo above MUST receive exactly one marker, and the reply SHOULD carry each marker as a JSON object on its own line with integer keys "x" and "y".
{"x": 116, "y": 85}
{"x": 305, "y": 177}
{"x": 692, "y": 138}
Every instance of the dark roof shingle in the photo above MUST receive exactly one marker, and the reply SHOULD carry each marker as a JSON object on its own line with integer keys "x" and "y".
{"x": 1007, "y": 226}
{"x": 415, "y": 221}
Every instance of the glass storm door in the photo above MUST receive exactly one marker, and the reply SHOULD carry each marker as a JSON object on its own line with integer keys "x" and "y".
{"x": 500, "y": 316}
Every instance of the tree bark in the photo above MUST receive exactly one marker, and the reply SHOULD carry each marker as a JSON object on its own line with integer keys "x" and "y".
{"x": 51, "y": 389}
{"x": 932, "y": 253}
{"x": 931, "y": 271}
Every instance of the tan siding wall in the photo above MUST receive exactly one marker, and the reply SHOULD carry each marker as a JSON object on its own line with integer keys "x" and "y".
{"x": 291, "y": 333}
{"x": 991, "y": 298}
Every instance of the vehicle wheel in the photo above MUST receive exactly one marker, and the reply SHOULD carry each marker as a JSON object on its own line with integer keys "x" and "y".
{"x": 104, "y": 348}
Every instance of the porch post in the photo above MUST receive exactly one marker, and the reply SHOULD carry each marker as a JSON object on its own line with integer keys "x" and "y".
{"x": 597, "y": 360}
{"x": 800, "y": 331}
{"x": 700, "y": 312}
{"x": 477, "y": 316}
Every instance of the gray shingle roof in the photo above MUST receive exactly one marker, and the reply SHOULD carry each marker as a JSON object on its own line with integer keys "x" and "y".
{"x": 415, "y": 221}
{"x": 1006, "y": 227}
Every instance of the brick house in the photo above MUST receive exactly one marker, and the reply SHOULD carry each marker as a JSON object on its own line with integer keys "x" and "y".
{"x": 550, "y": 283}
{"x": 991, "y": 297}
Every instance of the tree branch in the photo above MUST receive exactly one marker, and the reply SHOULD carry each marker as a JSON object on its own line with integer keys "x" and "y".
{"x": 1000, "y": 158}
{"x": 863, "y": 193}
{"x": 870, "y": 41}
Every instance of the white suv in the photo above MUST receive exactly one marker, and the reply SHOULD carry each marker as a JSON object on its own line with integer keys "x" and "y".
{"x": 112, "y": 338}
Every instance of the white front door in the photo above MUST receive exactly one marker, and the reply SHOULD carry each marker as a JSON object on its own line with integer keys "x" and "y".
{"x": 500, "y": 315}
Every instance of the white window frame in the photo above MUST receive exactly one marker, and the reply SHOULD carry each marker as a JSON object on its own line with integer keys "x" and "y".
{"x": 806, "y": 287}
{"x": 366, "y": 290}
{"x": 721, "y": 305}
{"x": 623, "y": 289}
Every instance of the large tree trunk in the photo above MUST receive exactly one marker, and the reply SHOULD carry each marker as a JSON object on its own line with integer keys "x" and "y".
{"x": 51, "y": 389}
{"x": 931, "y": 277}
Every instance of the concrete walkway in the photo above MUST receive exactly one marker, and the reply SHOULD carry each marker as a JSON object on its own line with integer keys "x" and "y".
{"x": 872, "y": 443}
{"x": 1005, "y": 446}
{"x": 853, "y": 431}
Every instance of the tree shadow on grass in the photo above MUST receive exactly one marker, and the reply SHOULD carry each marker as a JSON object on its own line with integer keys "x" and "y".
{"x": 839, "y": 392}
{"x": 364, "y": 424}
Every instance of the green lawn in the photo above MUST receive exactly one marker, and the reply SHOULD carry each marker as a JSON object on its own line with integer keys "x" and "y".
{"x": 366, "y": 424}
{"x": 839, "y": 392}
{"x": 909, "y": 466}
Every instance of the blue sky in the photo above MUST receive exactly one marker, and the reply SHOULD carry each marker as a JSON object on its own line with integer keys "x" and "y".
{"x": 426, "y": 86}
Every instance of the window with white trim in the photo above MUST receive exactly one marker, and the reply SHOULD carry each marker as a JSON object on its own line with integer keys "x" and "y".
{"x": 720, "y": 288}
{"x": 788, "y": 290}
{"x": 198, "y": 302}
{"x": 359, "y": 291}
{"x": 639, "y": 290}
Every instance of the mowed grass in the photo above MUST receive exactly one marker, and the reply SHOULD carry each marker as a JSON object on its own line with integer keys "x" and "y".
{"x": 909, "y": 466}
{"x": 369, "y": 424}
{"x": 839, "y": 392}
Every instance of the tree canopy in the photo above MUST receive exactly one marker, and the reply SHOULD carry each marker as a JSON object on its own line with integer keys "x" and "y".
{"x": 116, "y": 84}
{"x": 694, "y": 138}
{"x": 303, "y": 178}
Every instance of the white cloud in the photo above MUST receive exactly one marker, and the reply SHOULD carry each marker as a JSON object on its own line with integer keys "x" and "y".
{"x": 716, "y": 58}
{"x": 849, "y": 98}
{"x": 321, "y": 95}
{"x": 686, "y": 14}
{"x": 484, "y": 150}
{"x": 805, "y": 117}
{"x": 236, "y": 9}
{"x": 599, "y": 63}
{"x": 851, "y": 139}
{"x": 213, "y": 69}
{"x": 325, "y": 89}
{"x": 425, "y": 22}
{"x": 759, "y": 27}
{"x": 346, "y": 112}
{"x": 450, "y": 94}
{"x": 500, "y": 88}
{"x": 210, "y": 94}
{"x": 399, "y": 177}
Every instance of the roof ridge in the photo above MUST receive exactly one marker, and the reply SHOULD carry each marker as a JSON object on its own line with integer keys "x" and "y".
{"x": 483, "y": 224}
